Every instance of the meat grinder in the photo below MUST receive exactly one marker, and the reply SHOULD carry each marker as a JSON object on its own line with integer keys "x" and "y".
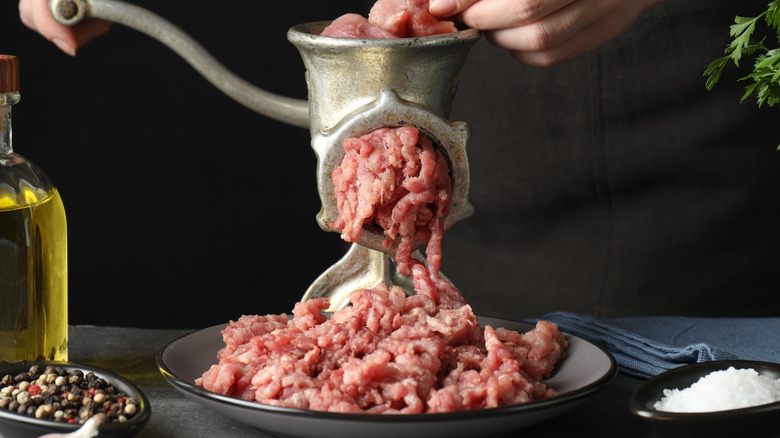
{"x": 354, "y": 86}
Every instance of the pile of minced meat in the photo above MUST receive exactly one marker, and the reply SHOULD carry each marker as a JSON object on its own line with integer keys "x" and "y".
{"x": 388, "y": 352}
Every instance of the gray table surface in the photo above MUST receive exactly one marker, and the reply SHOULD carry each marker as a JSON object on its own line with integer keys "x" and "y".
{"x": 131, "y": 353}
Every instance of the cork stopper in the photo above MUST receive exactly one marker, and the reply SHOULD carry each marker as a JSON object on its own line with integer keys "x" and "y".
{"x": 9, "y": 73}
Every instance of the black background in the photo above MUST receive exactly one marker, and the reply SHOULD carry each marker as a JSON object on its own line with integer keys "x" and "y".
{"x": 184, "y": 207}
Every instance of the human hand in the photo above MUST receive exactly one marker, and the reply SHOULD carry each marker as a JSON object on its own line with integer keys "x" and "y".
{"x": 545, "y": 32}
{"x": 35, "y": 14}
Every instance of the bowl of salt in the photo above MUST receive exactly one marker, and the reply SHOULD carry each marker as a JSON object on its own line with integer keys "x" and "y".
{"x": 709, "y": 399}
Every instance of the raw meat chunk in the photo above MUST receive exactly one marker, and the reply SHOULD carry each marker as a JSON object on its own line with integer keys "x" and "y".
{"x": 354, "y": 26}
{"x": 387, "y": 353}
{"x": 390, "y": 19}
{"x": 396, "y": 179}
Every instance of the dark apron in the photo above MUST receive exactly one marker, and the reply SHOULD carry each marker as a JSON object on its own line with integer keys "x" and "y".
{"x": 616, "y": 184}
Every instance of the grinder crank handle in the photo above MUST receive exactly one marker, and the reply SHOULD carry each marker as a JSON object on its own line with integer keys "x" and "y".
{"x": 285, "y": 109}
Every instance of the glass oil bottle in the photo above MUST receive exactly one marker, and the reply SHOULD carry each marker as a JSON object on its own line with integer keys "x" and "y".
{"x": 33, "y": 247}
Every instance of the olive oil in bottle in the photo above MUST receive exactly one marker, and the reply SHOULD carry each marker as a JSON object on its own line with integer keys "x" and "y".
{"x": 33, "y": 247}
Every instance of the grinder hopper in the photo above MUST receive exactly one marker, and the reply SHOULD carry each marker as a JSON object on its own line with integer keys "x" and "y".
{"x": 355, "y": 86}
{"x": 358, "y": 85}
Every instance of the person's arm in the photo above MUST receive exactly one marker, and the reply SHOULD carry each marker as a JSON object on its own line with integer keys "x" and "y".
{"x": 35, "y": 14}
{"x": 545, "y": 32}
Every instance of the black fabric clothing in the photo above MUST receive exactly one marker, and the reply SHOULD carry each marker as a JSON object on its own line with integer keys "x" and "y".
{"x": 616, "y": 184}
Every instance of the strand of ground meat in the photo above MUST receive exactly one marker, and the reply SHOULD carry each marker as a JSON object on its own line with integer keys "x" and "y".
{"x": 396, "y": 179}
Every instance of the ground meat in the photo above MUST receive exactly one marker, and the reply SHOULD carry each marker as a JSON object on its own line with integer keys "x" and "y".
{"x": 396, "y": 179}
{"x": 387, "y": 353}
{"x": 390, "y": 19}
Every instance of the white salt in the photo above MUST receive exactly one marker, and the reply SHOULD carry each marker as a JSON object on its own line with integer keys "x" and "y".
{"x": 722, "y": 390}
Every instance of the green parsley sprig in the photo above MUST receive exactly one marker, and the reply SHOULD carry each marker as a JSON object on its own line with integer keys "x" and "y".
{"x": 765, "y": 77}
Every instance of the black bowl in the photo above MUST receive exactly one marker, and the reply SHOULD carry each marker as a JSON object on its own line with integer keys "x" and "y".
{"x": 13, "y": 425}
{"x": 751, "y": 421}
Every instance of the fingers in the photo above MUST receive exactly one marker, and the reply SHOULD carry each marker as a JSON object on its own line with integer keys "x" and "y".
{"x": 587, "y": 40}
{"x": 35, "y": 15}
{"x": 501, "y": 14}
{"x": 616, "y": 16}
{"x": 552, "y": 31}
{"x": 549, "y": 32}
{"x": 448, "y": 8}
{"x": 88, "y": 30}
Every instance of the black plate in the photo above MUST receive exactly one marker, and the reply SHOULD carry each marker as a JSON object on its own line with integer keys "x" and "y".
{"x": 586, "y": 370}
{"x": 13, "y": 425}
{"x": 734, "y": 422}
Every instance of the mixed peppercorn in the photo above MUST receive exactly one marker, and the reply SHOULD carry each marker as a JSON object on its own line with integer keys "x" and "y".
{"x": 68, "y": 396}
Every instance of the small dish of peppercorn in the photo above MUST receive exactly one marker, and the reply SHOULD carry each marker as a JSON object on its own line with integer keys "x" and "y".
{"x": 43, "y": 397}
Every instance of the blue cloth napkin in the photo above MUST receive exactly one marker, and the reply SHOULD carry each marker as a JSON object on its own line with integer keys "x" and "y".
{"x": 647, "y": 346}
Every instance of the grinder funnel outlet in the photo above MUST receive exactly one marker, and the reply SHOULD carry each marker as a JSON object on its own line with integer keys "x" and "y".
{"x": 359, "y": 85}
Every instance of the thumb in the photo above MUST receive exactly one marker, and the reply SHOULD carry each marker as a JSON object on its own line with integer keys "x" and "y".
{"x": 448, "y": 8}
{"x": 36, "y": 16}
